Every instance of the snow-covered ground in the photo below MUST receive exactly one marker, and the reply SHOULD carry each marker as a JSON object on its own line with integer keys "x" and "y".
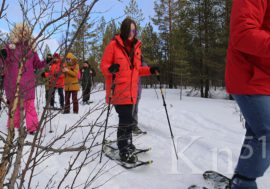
{"x": 207, "y": 132}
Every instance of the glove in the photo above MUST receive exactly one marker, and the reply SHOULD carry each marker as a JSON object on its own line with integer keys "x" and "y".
{"x": 49, "y": 60}
{"x": 3, "y": 54}
{"x": 114, "y": 68}
{"x": 154, "y": 69}
{"x": 43, "y": 75}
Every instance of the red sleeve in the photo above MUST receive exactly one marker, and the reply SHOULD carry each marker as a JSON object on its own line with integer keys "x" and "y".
{"x": 107, "y": 60}
{"x": 247, "y": 33}
{"x": 144, "y": 71}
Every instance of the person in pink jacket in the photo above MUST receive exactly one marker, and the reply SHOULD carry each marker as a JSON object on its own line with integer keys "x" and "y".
{"x": 16, "y": 52}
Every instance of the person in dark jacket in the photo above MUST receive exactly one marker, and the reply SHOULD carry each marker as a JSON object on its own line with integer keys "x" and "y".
{"x": 45, "y": 75}
{"x": 87, "y": 74}
{"x": 121, "y": 66}
{"x": 248, "y": 80}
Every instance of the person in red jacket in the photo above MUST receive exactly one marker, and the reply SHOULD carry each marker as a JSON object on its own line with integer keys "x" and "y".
{"x": 57, "y": 80}
{"x": 121, "y": 65}
{"x": 248, "y": 80}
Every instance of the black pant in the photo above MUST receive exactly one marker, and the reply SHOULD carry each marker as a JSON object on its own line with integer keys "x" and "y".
{"x": 124, "y": 132}
{"x": 61, "y": 97}
{"x": 86, "y": 92}
{"x": 74, "y": 100}
{"x": 47, "y": 95}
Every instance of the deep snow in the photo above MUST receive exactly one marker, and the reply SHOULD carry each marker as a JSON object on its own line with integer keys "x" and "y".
{"x": 208, "y": 134}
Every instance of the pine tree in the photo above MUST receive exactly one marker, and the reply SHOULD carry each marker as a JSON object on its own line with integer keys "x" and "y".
{"x": 166, "y": 13}
{"x": 85, "y": 38}
{"x": 133, "y": 11}
{"x": 193, "y": 41}
{"x": 180, "y": 34}
{"x": 110, "y": 31}
{"x": 96, "y": 47}
{"x": 205, "y": 51}
{"x": 150, "y": 47}
{"x": 47, "y": 50}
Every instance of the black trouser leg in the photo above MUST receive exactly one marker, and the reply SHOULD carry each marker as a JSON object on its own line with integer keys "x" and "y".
{"x": 52, "y": 97}
{"x": 124, "y": 132}
{"x": 75, "y": 102}
{"x": 86, "y": 93}
{"x": 47, "y": 95}
{"x": 67, "y": 101}
{"x": 61, "y": 96}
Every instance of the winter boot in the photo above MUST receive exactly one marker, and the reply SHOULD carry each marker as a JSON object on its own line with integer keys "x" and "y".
{"x": 136, "y": 130}
{"x": 131, "y": 148}
{"x": 32, "y": 132}
{"x": 128, "y": 157}
{"x": 239, "y": 182}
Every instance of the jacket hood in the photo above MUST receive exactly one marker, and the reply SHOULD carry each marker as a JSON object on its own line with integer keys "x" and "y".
{"x": 72, "y": 57}
{"x": 119, "y": 40}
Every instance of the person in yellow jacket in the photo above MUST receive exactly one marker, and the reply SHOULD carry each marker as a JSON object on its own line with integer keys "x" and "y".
{"x": 71, "y": 72}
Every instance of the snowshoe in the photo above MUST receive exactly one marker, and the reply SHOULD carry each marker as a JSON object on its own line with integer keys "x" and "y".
{"x": 137, "y": 131}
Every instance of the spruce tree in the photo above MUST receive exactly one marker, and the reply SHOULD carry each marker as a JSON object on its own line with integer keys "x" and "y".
{"x": 166, "y": 13}
{"x": 85, "y": 38}
{"x": 47, "y": 50}
{"x": 133, "y": 11}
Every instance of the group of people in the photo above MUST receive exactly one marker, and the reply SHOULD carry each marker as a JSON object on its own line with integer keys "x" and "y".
{"x": 66, "y": 77}
{"x": 19, "y": 62}
{"x": 247, "y": 79}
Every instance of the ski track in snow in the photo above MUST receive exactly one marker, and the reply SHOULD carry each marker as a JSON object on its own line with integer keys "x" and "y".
{"x": 212, "y": 124}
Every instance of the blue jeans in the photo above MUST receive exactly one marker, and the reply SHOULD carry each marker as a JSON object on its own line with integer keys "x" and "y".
{"x": 255, "y": 153}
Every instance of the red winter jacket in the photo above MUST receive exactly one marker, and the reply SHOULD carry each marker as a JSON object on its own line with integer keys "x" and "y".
{"x": 126, "y": 80}
{"x": 248, "y": 55}
{"x": 56, "y": 70}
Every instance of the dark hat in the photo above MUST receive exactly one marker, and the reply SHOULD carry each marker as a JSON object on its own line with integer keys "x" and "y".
{"x": 49, "y": 58}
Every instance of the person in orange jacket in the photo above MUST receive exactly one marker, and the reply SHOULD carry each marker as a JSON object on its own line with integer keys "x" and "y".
{"x": 122, "y": 61}
{"x": 57, "y": 80}
{"x": 71, "y": 71}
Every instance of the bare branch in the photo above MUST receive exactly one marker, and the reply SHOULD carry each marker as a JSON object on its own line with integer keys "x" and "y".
{"x": 3, "y": 9}
{"x": 57, "y": 150}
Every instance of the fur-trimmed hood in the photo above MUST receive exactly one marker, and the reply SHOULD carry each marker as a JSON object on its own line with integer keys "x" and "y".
{"x": 21, "y": 33}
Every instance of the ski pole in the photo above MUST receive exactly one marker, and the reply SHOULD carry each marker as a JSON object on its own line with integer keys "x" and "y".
{"x": 165, "y": 106}
{"x": 107, "y": 117}
{"x": 156, "y": 92}
{"x": 50, "y": 112}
